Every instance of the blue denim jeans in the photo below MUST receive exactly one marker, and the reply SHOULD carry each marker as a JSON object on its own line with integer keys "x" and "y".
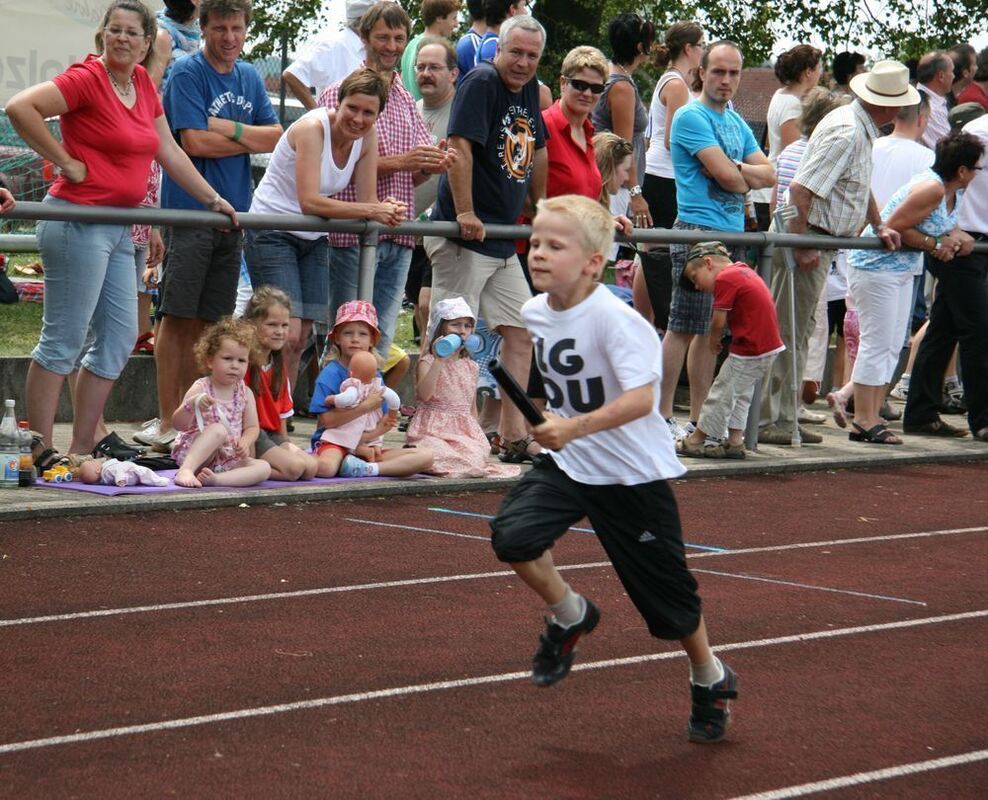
{"x": 90, "y": 313}
{"x": 393, "y": 262}
{"x": 297, "y": 266}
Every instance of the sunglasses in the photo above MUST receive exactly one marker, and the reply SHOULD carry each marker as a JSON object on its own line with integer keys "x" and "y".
{"x": 582, "y": 86}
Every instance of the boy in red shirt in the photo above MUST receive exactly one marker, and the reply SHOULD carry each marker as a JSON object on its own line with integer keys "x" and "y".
{"x": 743, "y": 301}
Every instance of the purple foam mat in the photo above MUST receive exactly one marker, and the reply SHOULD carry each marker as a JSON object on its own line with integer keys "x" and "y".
{"x": 112, "y": 491}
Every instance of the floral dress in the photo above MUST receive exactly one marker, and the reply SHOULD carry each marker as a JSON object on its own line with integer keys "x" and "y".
{"x": 229, "y": 413}
{"x": 446, "y": 425}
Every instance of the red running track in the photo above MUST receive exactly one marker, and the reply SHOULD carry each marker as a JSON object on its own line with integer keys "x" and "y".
{"x": 392, "y": 659}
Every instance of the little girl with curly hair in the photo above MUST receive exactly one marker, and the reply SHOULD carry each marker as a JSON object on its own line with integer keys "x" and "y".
{"x": 217, "y": 421}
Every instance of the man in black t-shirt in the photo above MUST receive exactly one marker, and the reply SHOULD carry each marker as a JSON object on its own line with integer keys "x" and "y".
{"x": 496, "y": 128}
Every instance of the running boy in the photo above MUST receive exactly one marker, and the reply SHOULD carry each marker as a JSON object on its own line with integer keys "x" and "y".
{"x": 612, "y": 454}
{"x": 743, "y": 301}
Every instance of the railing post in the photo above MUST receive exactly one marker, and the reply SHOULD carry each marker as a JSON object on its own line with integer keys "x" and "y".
{"x": 754, "y": 411}
{"x": 368, "y": 261}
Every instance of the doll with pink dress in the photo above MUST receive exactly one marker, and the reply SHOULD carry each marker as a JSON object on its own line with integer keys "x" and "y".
{"x": 362, "y": 381}
{"x": 446, "y": 389}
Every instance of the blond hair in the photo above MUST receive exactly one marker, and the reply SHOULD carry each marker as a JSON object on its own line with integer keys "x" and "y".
{"x": 609, "y": 150}
{"x": 236, "y": 330}
{"x": 592, "y": 223}
{"x": 585, "y": 57}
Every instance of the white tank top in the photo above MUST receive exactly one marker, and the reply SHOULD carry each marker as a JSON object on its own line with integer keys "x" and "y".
{"x": 658, "y": 159}
{"x": 277, "y": 192}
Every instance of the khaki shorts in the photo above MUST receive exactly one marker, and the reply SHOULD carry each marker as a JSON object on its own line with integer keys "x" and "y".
{"x": 494, "y": 287}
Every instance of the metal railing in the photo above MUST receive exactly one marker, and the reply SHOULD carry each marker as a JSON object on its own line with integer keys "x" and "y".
{"x": 370, "y": 232}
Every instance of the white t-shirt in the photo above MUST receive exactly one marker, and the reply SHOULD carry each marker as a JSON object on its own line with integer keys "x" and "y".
{"x": 333, "y": 56}
{"x": 939, "y": 124}
{"x": 277, "y": 193}
{"x": 973, "y": 216}
{"x": 590, "y": 355}
{"x": 782, "y": 108}
{"x": 895, "y": 162}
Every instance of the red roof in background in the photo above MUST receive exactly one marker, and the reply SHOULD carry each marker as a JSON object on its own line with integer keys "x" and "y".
{"x": 758, "y": 84}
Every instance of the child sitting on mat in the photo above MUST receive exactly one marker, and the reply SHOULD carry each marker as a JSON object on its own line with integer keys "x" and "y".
{"x": 446, "y": 389}
{"x": 743, "y": 301}
{"x": 217, "y": 421}
{"x": 355, "y": 331}
{"x": 268, "y": 310}
{"x": 609, "y": 456}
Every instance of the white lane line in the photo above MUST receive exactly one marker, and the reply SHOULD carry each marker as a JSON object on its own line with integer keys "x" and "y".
{"x": 412, "y": 528}
{"x": 254, "y": 598}
{"x": 860, "y": 778}
{"x": 759, "y": 578}
{"x": 889, "y": 537}
{"x": 109, "y": 612}
{"x": 480, "y": 680}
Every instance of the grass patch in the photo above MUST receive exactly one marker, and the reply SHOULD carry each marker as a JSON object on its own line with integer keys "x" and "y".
{"x": 20, "y": 323}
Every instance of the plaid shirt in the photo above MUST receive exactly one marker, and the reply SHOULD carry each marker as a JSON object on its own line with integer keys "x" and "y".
{"x": 399, "y": 128}
{"x": 836, "y": 168}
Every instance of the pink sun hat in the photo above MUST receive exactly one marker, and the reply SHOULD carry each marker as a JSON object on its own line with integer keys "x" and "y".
{"x": 356, "y": 311}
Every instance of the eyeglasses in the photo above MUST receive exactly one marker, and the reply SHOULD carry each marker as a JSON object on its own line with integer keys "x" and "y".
{"x": 582, "y": 86}
{"x": 118, "y": 33}
{"x": 430, "y": 67}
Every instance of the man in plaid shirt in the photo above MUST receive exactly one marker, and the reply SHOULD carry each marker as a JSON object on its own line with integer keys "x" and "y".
{"x": 407, "y": 157}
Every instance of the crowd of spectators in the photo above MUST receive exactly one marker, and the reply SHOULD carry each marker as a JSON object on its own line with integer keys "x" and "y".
{"x": 400, "y": 127}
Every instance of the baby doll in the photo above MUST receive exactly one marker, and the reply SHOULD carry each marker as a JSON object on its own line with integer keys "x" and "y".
{"x": 119, "y": 473}
{"x": 363, "y": 379}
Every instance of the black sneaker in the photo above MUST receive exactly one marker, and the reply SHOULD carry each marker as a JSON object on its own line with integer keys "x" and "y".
{"x": 557, "y": 645}
{"x": 711, "y": 714}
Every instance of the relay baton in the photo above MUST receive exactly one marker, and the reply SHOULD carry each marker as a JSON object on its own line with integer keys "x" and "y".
{"x": 511, "y": 388}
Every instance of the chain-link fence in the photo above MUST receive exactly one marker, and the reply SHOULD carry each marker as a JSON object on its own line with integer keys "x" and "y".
{"x": 26, "y": 174}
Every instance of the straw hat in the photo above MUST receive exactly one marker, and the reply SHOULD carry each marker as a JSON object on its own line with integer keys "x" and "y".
{"x": 886, "y": 85}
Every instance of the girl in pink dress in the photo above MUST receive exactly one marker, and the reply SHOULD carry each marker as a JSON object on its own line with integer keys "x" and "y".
{"x": 446, "y": 389}
{"x": 217, "y": 421}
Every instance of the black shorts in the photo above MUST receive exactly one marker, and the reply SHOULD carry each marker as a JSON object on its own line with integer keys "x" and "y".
{"x": 637, "y": 525}
{"x": 419, "y": 274}
{"x": 200, "y": 273}
{"x": 266, "y": 440}
{"x": 836, "y": 310}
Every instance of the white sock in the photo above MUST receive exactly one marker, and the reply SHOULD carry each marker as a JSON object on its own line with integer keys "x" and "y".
{"x": 570, "y": 610}
{"x": 373, "y": 469}
{"x": 707, "y": 674}
{"x": 904, "y": 380}
{"x": 952, "y": 384}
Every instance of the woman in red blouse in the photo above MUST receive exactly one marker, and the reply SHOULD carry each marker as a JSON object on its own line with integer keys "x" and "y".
{"x": 112, "y": 126}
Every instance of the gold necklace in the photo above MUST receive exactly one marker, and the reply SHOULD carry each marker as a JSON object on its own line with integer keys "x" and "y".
{"x": 122, "y": 91}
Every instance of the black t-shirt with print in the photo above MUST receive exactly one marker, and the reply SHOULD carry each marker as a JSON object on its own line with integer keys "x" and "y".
{"x": 505, "y": 129}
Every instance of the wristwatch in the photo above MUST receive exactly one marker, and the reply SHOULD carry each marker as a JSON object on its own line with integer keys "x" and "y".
{"x": 635, "y": 190}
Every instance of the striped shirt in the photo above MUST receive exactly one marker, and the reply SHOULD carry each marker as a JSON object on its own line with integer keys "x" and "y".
{"x": 836, "y": 168}
{"x": 400, "y": 127}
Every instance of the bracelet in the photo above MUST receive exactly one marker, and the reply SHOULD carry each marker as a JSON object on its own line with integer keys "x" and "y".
{"x": 463, "y": 214}
{"x": 238, "y": 131}
{"x": 214, "y": 202}
{"x": 937, "y": 243}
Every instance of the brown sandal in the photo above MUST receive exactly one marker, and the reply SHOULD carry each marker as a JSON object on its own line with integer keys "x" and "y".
{"x": 516, "y": 452}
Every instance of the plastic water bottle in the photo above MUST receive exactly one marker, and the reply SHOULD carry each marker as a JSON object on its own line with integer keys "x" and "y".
{"x": 10, "y": 447}
{"x": 451, "y": 342}
{"x": 26, "y": 474}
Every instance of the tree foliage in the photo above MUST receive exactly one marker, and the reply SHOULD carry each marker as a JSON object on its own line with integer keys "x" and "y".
{"x": 887, "y": 28}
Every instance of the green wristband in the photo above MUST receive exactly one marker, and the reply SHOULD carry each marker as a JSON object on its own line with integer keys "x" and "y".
{"x": 238, "y": 131}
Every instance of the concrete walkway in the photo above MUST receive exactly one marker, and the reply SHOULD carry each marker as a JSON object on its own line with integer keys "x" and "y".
{"x": 836, "y": 452}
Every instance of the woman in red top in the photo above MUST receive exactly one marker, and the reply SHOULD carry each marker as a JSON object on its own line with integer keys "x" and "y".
{"x": 572, "y": 166}
{"x": 112, "y": 128}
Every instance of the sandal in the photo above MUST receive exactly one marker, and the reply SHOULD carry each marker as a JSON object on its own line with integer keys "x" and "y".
{"x": 49, "y": 458}
{"x": 516, "y": 452}
{"x": 144, "y": 345}
{"x": 878, "y": 434}
{"x": 839, "y": 407}
{"x": 112, "y": 446}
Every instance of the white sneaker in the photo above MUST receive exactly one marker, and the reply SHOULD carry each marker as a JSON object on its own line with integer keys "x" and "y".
{"x": 808, "y": 417}
{"x": 163, "y": 442}
{"x": 900, "y": 391}
{"x": 149, "y": 431}
{"x": 678, "y": 431}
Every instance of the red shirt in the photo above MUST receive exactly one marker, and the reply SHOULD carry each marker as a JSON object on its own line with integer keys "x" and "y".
{"x": 116, "y": 143}
{"x": 750, "y": 311}
{"x": 270, "y": 412}
{"x": 973, "y": 93}
{"x": 572, "y": 169}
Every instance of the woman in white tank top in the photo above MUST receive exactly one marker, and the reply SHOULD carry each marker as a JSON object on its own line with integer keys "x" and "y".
{"x": 316, "y": 158}
{"x": 679, "y": 55}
